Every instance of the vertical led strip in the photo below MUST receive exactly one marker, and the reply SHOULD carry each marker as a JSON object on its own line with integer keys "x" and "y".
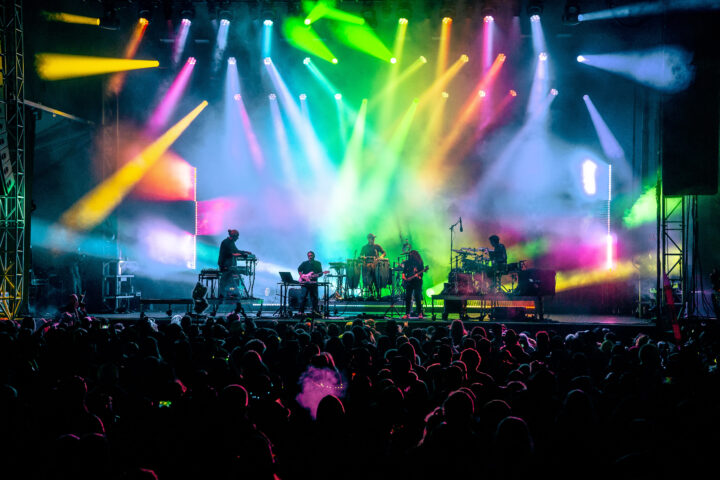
{"x": 193, "y": 261}
{"x": 609, "y": 259}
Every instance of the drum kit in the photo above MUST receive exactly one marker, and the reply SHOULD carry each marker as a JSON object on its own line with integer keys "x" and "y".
{"x": 473, "y": 272}
{"x": 364, "y": 277}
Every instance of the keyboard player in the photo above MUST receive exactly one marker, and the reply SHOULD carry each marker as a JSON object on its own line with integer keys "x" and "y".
{"x": 227, "y": 259}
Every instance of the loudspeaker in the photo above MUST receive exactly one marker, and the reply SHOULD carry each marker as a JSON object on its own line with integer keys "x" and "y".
{"x": 8, "y": 176}
{"x": 691, "y": 118}
{"x": 295, "y": 296}
{"x": 534, "y": 282}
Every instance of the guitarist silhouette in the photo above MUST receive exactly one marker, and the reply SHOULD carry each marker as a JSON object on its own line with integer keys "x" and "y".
{"x": 413, "y": 269}
{"x": 309, "y": 272}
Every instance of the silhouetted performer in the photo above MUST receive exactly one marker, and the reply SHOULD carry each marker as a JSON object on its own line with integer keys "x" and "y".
{"x": 371, "y": 252}
{"x": 310, "y": 270}
{"x": 228, "y": 259}
{"x": 413, "y": 269}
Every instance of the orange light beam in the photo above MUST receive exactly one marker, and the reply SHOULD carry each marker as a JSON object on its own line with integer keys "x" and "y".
{"x": 116, "y": 82}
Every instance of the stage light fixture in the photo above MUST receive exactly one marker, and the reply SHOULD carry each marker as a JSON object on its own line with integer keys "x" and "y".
{"x": 224, "y": 22}
{"x": 535, "y": 18}
{"x": 338, "y": 96}
{"x": 186, "y": 22}
{"x": 423, "y": 59}
{"x": 447, "y": 10}
{"x": 237, "y": 97}
{"x": 272, "y": 96}
{"x": 488, "y": 19}
{"x": 224, "y": 11}
{"x": 393, "y": 60}
{"x": 482, "y": 93}
{"x": 232, "y": 61}
{"x": 447, "y": 20}
{"x": 444, "y": 94}
{"x": 580, "y": 59}
{"x": 187, "y": 10}
{"x": 368, "y": 13}
{"x": 543, "y": 56}
{"x": 488, "y": 10}
{"x": 267, "y": 60}
{"x": 306, "y": 61}
{"x": 335, "y": 60}
{"x": 403, "y": 21}
{"x": 109, "y": 20}
{"x": 571, "y": 12}
{"x": 464, "y": 58}
{"x": 513, "y": 93}
{"x": 145, "y": 8}
{"x": 303, "y": 96}
{"x": 191, "y": 60}
{"x": 554, "y": 92}
{"x": 268, "y": 23}
{"x": 534, "y": 8}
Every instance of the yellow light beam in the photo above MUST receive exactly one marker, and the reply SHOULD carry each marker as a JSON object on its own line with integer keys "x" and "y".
{"x": 100, "y": 201}
{"x": 70, "y": 18}
{"x": 56, "y": 66}
{"x": 391, "y": 86}
{"x": 444, "y": 46}
{"x": 389, "y": 106}
{"x": 583, "y": 278}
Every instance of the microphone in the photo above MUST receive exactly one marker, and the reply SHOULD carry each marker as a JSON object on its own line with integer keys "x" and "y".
{"x": 461, "y": 224}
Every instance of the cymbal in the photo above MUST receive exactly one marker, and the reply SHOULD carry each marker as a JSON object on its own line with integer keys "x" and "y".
{"x": 461, "y": 252}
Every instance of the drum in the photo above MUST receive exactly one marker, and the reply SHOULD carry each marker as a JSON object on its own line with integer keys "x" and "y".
{"x": 382, "y": 272}
{"x": 368, "y": 273}
{"x": 482, "y": 283}
{"x": 353, "y": 273}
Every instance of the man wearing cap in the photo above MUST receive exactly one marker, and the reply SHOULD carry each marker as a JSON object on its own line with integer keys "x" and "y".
{"x": 372, "y": 252}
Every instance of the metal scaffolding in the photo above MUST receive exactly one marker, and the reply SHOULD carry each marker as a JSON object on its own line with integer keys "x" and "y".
{"x": 12, "y": 200}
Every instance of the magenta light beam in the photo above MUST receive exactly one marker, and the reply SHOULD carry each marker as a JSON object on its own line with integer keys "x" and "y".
{"x": 180, "y": 39}
{"x": 167, "y": 105}
{"x": 255, "y": 151}
{"x": 488, "y": 37}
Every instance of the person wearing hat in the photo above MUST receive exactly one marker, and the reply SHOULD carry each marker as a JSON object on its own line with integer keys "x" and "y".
{"x": 371, "y": 252}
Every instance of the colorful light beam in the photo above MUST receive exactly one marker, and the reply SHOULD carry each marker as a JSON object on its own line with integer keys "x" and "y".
{"x": 443, "y": 46}
{"x": 221, "y": 43}
{"x": 645, "y": 9}
{"x": 116, "y": 82}
{"x": 97, "y": 204}
{"x": 169, "y": 103}
{"x": 363, "y": 39}
{"x": 55, "y": 66}
{"x": 324, "y": 10}
{"x": 70, "y": 18}
{"x": 180, "y": 39}
{"x": 303, "y": 37}
{"x": 267, "y": 39}
{"x": 538, "y": 36}
{"x": 612, "y": 149}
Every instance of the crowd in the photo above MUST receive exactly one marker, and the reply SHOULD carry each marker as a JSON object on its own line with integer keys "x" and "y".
{"x": 226, "y": 398}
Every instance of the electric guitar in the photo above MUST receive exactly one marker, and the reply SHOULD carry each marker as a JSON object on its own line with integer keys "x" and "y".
{"x": 416, "y": 274}
{"x": 310, "y": 277}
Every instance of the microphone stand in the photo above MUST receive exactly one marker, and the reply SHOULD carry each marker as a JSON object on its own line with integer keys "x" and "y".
{"x": 452, "y": 231}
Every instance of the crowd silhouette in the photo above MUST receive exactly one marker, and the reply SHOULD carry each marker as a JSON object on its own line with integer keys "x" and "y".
{"x": 83, "y": 398}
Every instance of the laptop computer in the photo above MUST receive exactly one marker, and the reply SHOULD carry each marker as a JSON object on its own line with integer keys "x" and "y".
{"x": 287, "y": 278}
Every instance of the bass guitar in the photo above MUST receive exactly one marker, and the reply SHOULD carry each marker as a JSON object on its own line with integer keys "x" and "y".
{"x": 415, "y": 275}
{"x": 310, "y": 277}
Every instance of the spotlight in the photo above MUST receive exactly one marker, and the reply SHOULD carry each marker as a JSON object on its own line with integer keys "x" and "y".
{"x": 585, "y": 97}
{"x": 237, "y": 96}
{"x": 445, "y": 94}
{"x": 404, "y": 11}
{"x": 581, "y": 59}
{"x": 268, "y": 23}
{"x": 482, "y": 93}
{"x": 303, "y": 96}
{"x": 109, "y": 20}
{"x": 554, "y": 92}
{"x": 334, "y": 60}
{"x": 191, "y": 60}
{"x": 488, "y": 19}
{"x": 535, "y": 9}
{"x": 307, "y": 21}
{"x": 542, "y": 56}
{"x": 338, "y": 96}
{"x": 232, "y": 61}
{"x": 446, "y": 20}
{"x": 187, "y": 10}
{"x": 267, "y": 60}
{"x": 571, "y": 12}
{"x": 464, "y": 58}
{"x": 224, "y": 22}
{"x": 306, "y": 61}
{"x": 535, "y": 18}
{"x": 513, "y": 93}
{"x": 403, "y": 21}
{"x": 186, "y": 22}
{"x": 272, "y": 96}
{"x": 393, "y": 60}
{"x": 423, "y": 59}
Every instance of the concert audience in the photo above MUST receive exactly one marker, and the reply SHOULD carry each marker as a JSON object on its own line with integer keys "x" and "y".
{"x": 229, "y": 398}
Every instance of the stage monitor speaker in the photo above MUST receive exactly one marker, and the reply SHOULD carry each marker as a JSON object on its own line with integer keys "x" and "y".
{"x": 691, "y": 118}
{"x": 508, "y": 313}
{"x": 8, "y": 176}
{"x": 534, "y": 282}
